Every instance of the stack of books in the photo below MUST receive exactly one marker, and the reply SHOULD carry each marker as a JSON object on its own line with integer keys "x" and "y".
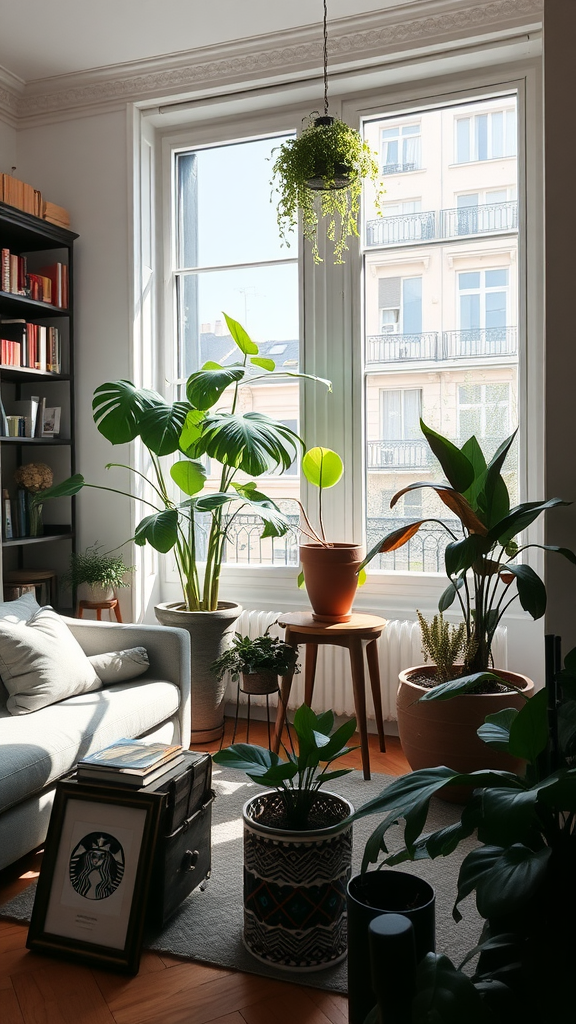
{"x": 130, "y": 763}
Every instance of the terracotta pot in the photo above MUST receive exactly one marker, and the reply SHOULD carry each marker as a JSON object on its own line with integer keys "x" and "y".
{"x": 211, "y": 633}
{"x": 259, "y": 682}
{"x": 295, "y": 886}
{"x": 330, "y": 576}
{"x": 444, "y": 732}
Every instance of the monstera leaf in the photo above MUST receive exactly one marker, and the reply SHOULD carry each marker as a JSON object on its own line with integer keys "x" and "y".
{"x": 118, "y": 408}
{"x": 249, "y": 441}
{"x": 161, "y": 427}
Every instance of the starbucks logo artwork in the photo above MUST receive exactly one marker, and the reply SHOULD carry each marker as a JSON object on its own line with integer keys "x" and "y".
{"x": 97, "y": 866}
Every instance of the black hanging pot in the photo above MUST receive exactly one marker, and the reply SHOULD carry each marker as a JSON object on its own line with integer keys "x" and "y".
{"x": 340, "y": 175}
{"x": 369, "y": 896}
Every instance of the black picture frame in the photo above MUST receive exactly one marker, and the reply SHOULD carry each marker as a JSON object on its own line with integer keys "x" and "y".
{"x": 100, "y": 846}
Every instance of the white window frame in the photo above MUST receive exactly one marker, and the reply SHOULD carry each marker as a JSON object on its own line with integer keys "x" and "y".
{"x": 331, "y": 320}
{"x": 472, "y": 144}
{"x": 401, "y": 138}
{"x": 402, "y": 391}
{"x": 482, "y": 291}
{"x": 462, "y": 406}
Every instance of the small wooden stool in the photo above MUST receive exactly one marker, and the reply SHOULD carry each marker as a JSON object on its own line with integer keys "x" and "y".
{"x": 302, "y": 628}
{"x": 99, "y": 607}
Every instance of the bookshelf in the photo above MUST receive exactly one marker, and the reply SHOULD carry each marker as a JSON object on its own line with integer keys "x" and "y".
{"x": 44, "y": 333}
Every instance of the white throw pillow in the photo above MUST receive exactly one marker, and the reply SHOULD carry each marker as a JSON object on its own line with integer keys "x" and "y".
{"x": 119, "y": 666}
{"x": 19, "y": 610}
{"x": 41, "y": 663}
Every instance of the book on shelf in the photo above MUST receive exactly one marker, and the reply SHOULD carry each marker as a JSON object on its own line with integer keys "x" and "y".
{"x": 35, "y": 346}
{"x": 57, "y": 274}
{"x": 27, "y": 410}
{"x": 56, "y": 214}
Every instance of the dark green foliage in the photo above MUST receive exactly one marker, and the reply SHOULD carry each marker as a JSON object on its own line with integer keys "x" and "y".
{"x": 94, "y": 567}
{"x": 264, "y": 653}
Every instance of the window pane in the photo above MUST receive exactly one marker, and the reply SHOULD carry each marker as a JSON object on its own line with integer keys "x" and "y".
{"x": 412, "y": 413}
{"x": 227, "y": 216}
{"x": 463, "y": 140}
{"x": 497, "y": 135}
{"x": 468, "y": 281}
{"x": 412, "y": 308}
{"x": 510, "y": 133}
{"x": 496, "y": 278}
{"x": 481, "y": 136}
{"x": 263, "y": 299}
{"x": 469, "y": 312}
{"x": 391, "y": 415}
{"x": 496, "y": 309}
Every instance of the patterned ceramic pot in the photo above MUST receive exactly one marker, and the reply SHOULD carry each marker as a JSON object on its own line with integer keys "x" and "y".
{"x": 295, "y": 886}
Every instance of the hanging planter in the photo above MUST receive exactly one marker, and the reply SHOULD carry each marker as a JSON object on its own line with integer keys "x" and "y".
{"x": 320, "y": 175}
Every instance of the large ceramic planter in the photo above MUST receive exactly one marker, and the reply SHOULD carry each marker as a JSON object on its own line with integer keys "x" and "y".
{"x": 444, "y": 732}
{"x": 372, "y": 894}
{"x": 295, "y": 886}
{"x": 211, "y": 634}
{"x": 331, "y": 579}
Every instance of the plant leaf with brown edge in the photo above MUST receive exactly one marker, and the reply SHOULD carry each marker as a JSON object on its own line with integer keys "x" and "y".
{"x": 455, "y": 501}
{"x": 393, "y": 541}
{"x": 457, "y": 467}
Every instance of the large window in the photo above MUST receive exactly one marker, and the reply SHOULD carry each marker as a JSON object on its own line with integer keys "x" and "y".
{"x": 486, "y": 136}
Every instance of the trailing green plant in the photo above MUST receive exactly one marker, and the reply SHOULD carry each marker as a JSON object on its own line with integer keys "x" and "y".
{"x": 482, "y": 558}
{"x": 330, "y": 150}
{"x": 94, "y": 567}
{"x": 298, "y": 778}
{"x": 261, "y": 654}
{"x": 240, "y": 442}
{"x": 523, "y": 870}
{"x": 444, "y": 643}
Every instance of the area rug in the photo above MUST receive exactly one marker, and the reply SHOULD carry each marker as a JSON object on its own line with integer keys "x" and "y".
{"x": 208, "y": 925}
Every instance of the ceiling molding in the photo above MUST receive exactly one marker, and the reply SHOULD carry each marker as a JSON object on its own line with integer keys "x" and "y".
{"x": 11, "y": 89}
{"x": 274, "y": 57}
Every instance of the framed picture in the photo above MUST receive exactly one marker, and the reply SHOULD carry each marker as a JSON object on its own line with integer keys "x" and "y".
{"x": 92, "y": 891}
{"x": 51, "y": 422}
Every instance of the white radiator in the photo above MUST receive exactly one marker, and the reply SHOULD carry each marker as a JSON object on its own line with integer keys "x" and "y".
{"x": 399, "y": 648}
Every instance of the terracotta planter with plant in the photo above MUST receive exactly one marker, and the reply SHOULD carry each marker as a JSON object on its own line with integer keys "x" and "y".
{"x": 297, "y": 847}
{"x": 329, "y": 570}
{"x": 243, "y": 445}
{"x": 486, "y": 575}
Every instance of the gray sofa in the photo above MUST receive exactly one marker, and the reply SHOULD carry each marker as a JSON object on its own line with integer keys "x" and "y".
{"x": 39, "y": 748}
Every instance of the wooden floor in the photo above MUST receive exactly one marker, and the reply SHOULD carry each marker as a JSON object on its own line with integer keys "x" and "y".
{"x": 40, "y": 990}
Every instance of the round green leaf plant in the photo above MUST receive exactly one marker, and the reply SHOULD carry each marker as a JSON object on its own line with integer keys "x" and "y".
{"x": 244, "y": 444}
{"x": 323, "y": 151}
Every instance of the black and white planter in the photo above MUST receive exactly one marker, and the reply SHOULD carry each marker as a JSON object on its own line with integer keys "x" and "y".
{"x": 211, "y": 634}
{"x": 295, "y": 886}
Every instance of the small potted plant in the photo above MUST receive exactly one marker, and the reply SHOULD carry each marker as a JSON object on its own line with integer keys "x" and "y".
{"x": 320, "y": 174}
{"x": 521, "y": 871}
{"x": 297, "y": 851}
{"x": 257, "y": 662}
{"x": 486, "y": 574}
{"x": 100, "y": 573}
{"x": 329, "y": 569}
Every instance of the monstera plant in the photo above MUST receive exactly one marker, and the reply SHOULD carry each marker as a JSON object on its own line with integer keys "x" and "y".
{"x": 245, "y": 444}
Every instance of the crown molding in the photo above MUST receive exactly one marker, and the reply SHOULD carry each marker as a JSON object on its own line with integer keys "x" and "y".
{"x": 268, "y": 58}
{"x": 11, "y": 90}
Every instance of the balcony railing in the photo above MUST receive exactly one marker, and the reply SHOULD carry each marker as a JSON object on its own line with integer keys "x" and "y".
{"x": 403, "y": 227}
{"x": 403, "y": 454}
{"x": 393, "y": 348}
{"x": 479, "y": 220}
{"x": 480, "y": 341}
{"x": 400, "y": 168}
{"x": 489, "y": 218}
{"x": 422, "y": 553}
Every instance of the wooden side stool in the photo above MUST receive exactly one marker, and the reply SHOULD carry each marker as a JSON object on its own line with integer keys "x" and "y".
{"x": 99, "y": 607}
{"x": 302, "y": 628}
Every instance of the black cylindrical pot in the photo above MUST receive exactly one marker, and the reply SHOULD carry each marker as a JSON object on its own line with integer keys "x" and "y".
{"x": 372, "y": 894}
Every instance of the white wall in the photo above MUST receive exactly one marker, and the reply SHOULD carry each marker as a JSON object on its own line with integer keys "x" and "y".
{"x": 82, "y": 164}
{"x": 7, "y": 147}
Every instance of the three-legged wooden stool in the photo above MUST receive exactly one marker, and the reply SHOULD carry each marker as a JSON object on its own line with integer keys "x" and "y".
{"x": 99, "y": 607}
{"x": 302, "y": 628}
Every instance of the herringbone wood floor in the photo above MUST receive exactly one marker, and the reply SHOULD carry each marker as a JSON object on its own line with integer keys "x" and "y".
{"x": 41, "y": 990}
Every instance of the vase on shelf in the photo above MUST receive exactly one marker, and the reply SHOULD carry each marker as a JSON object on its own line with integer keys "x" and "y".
{"x": 35, "y": 522}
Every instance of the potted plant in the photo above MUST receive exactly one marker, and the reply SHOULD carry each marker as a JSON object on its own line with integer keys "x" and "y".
{"x": 330, "y": 570}
{"x": 258, "y": 662}
{"x": 99, "y": 573}
{"x": 522, "y": 871}
{"x": 245, "y": 445}
{"x": 297, "y": 852}
{"x": 486, "y": 574}
{"x": 320, "y": 174}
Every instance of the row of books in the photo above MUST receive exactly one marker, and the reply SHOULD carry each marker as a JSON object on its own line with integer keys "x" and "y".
{"x": 35, "y": 346}
{"x": 29, "y": 417}
{"x": 47, "y": 284}
{"x": 130, "y": 763}
{"x": 16, "y": 514}
{"x": 25, "y": 197}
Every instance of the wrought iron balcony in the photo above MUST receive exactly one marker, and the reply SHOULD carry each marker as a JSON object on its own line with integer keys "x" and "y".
{"x": 393, "y": 348}
{"x": 400, "y": 168}
{"x": 402, "y": 227}
{"x": 402, "y": 454}
{"x": 479, "y": 220}
{"x": 422, "y": 553}
{"x": 479, "y": 342}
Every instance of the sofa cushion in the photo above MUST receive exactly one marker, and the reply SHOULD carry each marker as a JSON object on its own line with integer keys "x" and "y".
{"x": 37, "y": 749}
{"x": 41, "y": 663}
{"x": 119, "y": 666}
{"x": 20, "y": 610}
